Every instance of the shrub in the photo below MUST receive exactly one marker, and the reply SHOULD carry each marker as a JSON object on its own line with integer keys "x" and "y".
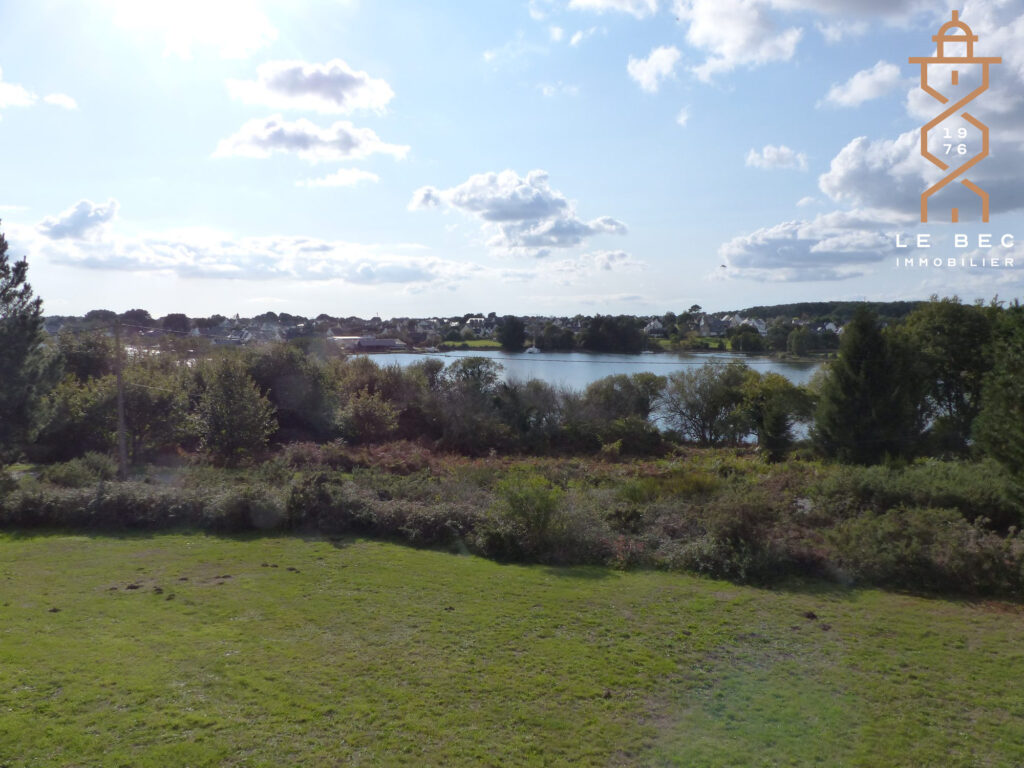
{"x": 975, "y": 490}
{"x": 80, "y": 473}
{"x": 929, "y": 549}
{"x": 525, "y": 517}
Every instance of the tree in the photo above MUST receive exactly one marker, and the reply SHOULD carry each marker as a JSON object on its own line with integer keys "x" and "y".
{"x": 954, "y": 344}
{"x": 176, "y": 322}
{"x": 871, "y": 403}
{"x": 704, "y": 404}
{"x": 773, "y": 404}
{"x": 137, "y": 317}
{"x": 999, "y": 428}
{"x": 26, "y": 369}
{"x": 234, "y": 419}
{"x": 512, "y": 333}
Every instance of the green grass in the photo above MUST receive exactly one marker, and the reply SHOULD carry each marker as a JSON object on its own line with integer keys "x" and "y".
{"x": 374, "y": 654}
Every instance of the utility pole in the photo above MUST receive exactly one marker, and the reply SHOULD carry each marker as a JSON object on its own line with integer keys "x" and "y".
{"x": 122, "y": 443}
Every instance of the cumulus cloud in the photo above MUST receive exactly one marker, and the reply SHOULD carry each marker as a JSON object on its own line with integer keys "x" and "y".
{"x": 556, "y": 34}
{"x": 827, "y": 248}
{"x": 683, "y": 117}
{"x": 344, "y": 177}
{"x": 61, "y": 100}
{"x": 658, "y": 65}
{"x": 332, "y": 88}
{"x": 85, "y": 219}
{"x": 775, "y": 158}
{"x": 638, "y": 8}
{"x": 866, "y": 85}
{"x": 205, "y": 253}
{"x": 520, "y": 216}
{"x": 734, "y": 33}
{"x": 263, "y": 137}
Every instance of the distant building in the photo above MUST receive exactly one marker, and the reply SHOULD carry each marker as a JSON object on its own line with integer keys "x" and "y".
{"x": 368, "y": 344}
{"x": 654, "y": 328}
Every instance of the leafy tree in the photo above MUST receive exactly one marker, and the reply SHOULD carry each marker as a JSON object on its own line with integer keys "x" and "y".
{"x": 137, "y": 317}
{"x": 100, "y": 317}
{"x": 953, "y": 342}
{"x": 773, "y": 404}
{"x": 298, "y": 387}
{"x": 511, "y": 333}
{"x": 999, "y": 427}
{"x": 86, "y": 354}
{"x": 622, "y": 396}
{"x": 26, "y": 369}
{"x": 175, "y": 321}
{"x": 798, "y": 342}
{"x": 871, "y": 403}
{"x": 155, "y": 406}
{"x": 234, "y": 420}
{"x": 704, "y": 404}
{"x": 622, "y": 334}
{"x": 367, "y": 418}
{"x": 555, "y": 338}
{"x": 81, "y": 416}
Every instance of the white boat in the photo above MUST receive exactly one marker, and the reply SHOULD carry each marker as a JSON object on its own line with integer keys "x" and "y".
{"x": 532, "y": 351}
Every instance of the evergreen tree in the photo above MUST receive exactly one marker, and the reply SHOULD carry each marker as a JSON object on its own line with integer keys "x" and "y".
{"x": 25, "y": 367}
{"x": 871, "y": 404}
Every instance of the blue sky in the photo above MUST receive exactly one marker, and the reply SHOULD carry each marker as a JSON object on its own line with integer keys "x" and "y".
{"x": 548, "y": 157}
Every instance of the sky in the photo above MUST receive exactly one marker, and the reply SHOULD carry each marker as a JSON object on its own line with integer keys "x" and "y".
{"x": 552, "y": 157}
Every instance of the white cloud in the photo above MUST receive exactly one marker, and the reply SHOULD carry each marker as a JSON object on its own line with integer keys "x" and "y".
{"x": 556, "y": 34}
{"x": 520, "y": 216}
{"x": 12, "y": 95}
{"x": 866, "y": 85}
{"x": 333, "y": 87}
{"x": 650, "y": 72}
{"x": 806, "y": 202}
{"x": 342, "y": 141}
{"x": 580, "y": 35}
{"x": 61, "y": 100}
{"x": 734, "y": 33}
{"x": 539, "y": 9}
{"x": 515, "y": 49}
{"x": 344, "y": 177}
{"x": 683, "y": 117}
{"x": 837, "y": 31}
{"x": 638, "y": 8}
{"x": 83, "y": 220}
{"x": 206, "y": 253}
{"x": 777, "y": 157}
{"x": 550, "y": 90}
{"x": 235, "y": 28}
{"x": 829, "y": 247}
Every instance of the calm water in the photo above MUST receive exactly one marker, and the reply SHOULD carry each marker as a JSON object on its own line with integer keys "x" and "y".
{"x": 578, "y": 369}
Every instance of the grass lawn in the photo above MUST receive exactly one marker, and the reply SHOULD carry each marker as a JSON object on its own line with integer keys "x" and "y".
{"x": 174, "y": 650}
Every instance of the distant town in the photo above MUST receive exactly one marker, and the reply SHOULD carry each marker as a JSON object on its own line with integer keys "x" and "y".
{"x": 791, "y": 329}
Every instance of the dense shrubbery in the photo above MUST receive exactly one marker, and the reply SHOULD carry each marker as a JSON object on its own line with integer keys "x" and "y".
{"x": 721, "y": 513}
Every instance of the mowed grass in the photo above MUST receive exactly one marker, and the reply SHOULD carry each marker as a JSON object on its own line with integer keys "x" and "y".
{"x": 367, "y": 653}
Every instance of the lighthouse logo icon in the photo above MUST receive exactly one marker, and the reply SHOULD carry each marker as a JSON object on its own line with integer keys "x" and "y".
{"x": 943, "y": 72}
